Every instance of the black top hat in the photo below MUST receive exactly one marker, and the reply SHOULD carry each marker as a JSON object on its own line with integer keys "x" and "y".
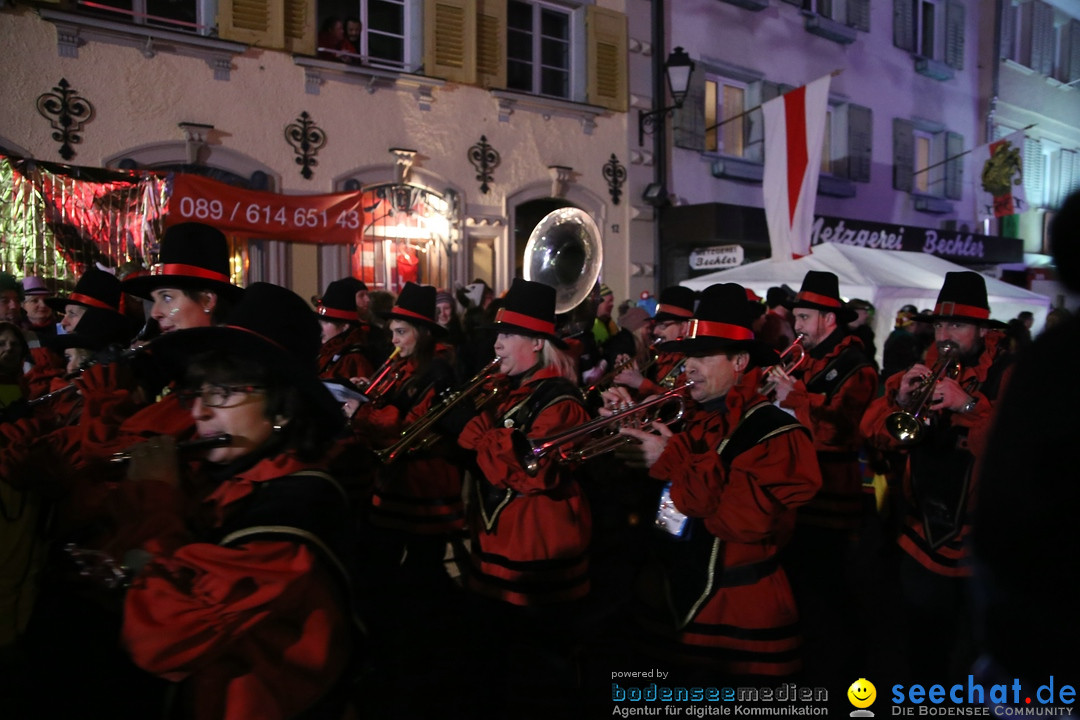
{"x": 97, "y": 329}
{"x": 339, "y": 302}
{"x": 721, "y": 323}
{"x": 193, "y": 256}
{"x": 273, "y": 326}
{"x": 95, "y": 289}
{"x": 528, "y": 309}
{"x": 963, "y": 299}
{"x": 676, "y": 303}
{"x": 821, "y": 291}
{"x": 415, "y": 304}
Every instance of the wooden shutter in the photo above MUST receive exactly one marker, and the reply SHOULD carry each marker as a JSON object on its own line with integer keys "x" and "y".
{"x": 860, "y": 142}
{"x": 253, "y": 22}
{"x": 1067, "y": 177}
{"x": 1034, "y": 163}
{"x": 858, "y": 13}
{"x": 904, "y": 24}
{"x": 300, "y": 30}
{"x": 607, "y": 46}
{"x": 491, "y": 43}
{"x": 903, "y": 138}
{"x": 1008, "y": 32}
{"x": 954, "y": 166}
{"x": 954, "y": 35}
{"x": 1042, "y": 37}
{"x": 688, "y": 122}
{"x": 1073, "y": 68}
{"x": 450, "y": 40}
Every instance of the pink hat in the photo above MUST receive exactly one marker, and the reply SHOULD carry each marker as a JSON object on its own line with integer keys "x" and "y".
{"x": 35, "y": 286}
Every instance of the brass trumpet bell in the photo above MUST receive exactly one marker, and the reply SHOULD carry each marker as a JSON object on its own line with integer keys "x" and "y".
{"x": 565, "y": 251}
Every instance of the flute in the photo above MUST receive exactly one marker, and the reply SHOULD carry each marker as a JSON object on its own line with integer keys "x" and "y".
{"x": 211, "y": 441}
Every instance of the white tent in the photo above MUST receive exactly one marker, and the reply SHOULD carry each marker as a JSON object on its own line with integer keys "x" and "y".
{"x": 888, "y": 279}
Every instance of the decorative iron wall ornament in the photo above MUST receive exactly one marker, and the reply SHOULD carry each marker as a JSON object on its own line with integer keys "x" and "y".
{"x": 67, "y": 113}
{"x": 306, "y": 140}
{"x": 485, "y": 159}
{"x": 615, "y": 174}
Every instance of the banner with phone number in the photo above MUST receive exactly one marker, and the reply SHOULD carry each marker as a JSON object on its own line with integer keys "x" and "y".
{"x": 334, "y": 219}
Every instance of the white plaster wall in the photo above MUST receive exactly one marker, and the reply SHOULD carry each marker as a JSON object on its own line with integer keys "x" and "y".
{"x": 140, "y": 101}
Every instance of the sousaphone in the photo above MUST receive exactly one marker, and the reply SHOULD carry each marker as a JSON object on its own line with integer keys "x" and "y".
{"x": 565, "y": 251}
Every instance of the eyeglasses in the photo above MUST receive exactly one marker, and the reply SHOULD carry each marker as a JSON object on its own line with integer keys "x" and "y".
{"x": 218, "y": 396}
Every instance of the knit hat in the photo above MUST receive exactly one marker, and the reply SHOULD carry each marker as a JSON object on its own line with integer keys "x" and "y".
{"x": 444, "y": 297}
{"x": 963, "y": 299}
{"x": 722, "y": 322}
{"x": 416, "y": 305}
{"x": 528, "y": 309}
{"x": 605, "y": 290}
{"x": 193, "y": 256}
{"x": 634, "y": 319}
{"x": 95, "y": 289}
{"x": 821, "y": 291}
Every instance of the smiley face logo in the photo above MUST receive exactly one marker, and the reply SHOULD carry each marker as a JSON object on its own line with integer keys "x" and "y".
{"x": 862, "y": 693}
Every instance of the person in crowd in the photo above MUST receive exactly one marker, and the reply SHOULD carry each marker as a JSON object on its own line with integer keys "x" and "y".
{"x": 828, "y": 393}
{"x": 1055, "y": 317}
{"x": 862, "y": 325}
{"x": 40, "y": 318}
{"x": 901, "y": 349}
{"x": 344, "y": 351}
{"x": 776, "y": 328}
{"x": 604, "y": 327}
{"x": 950, "y": 401}
{"x": 353, "y": 30}
{"x": 332, "y": 40}
{"x": 243, "y": 602}
{"x": 10, "y": 299}
{"x": 673, "y": 314}
{"x": 628, "y": 349}
{"x": 1019, "y": 331}
{"x": 448, "y": 319}
{"x": 530, "y": 523}
{"x": 477, "y": 299}
{"x": 1025, "y": 554}
{"x": 714, "y": 595}
{"x": 95, "y": 288}
{"x": 924, "y": 331}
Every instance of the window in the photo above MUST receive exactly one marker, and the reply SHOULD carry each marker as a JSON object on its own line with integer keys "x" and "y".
{"x": 724, "y": 100}
{"x": 925, "y": 176}
{"x": 933, "y": 31}
{"x": 929, "y": 39}
{"x": 927, "y": 159}
{"x": 538, "y": 44}
{"x": 195, "y": 16}
{"x": 832, "y": 9}
{"x": 390, "y": 33}
{"x": 1038, "y": 36}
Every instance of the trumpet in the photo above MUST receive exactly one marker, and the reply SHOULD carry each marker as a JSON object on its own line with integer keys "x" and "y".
{"x": 792, "y": 357}
{"x": 385, "y": 378}
{"x": 907, "y": 425}
{"x": 604, "y": 431}
{"x": 420, "y": 434}
{"x": 608, "y": 379}
{"x": 201, "y": 443}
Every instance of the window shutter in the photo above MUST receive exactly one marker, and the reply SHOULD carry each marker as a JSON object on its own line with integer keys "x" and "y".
{"x": 1074, "y": 51}
{"x": 795, "y": 2}
{"x": 1033, "y": 172}
{"x": 903, "y": 139}
{"x": 688, "y": 123}
{"x": 954, "y": 35}
{"x": 450, "y": 40}
{"x": 1008, "y": 32}
{"x": 1067, "y": 178}
{"x": 607, "y": 47}
{"x": 903, "y": 18}
{"x": 491, "y": 43}
{"x": 1042, "y": 38}
{"x": 859, "y": 14}
{"x": 860, "y": 142}
{"x": 954, "y": 165}
{"x": 253, "y": 22}
{"x": 300, "y": 35}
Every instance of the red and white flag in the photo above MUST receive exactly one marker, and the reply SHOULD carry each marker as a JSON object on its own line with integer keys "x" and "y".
{"x": 794, "y": 132}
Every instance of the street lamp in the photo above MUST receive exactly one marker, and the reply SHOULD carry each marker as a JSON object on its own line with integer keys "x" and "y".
{"x": 678, "y": 67}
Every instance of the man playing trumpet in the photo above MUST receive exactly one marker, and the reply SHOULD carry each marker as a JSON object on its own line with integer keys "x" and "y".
{"x": 733, "y": 477}
{"x": 952, "y": 426}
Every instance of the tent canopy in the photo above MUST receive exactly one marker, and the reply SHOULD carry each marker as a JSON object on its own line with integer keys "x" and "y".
{"x": 889, "y": 279}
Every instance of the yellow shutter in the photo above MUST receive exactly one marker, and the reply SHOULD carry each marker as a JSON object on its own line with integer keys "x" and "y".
{"x": 491, "y": 43}
{"x": 607, "y": 48}
{"x": 450, "y": 39}
{"x": 300, "y": 28}
{"x": 255, "y": 22}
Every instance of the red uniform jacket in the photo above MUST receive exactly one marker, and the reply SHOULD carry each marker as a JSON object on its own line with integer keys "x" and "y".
{"x": 343, "y": 356}
{"x": 748, "y": 629}
{"x": 833, "y": 418}
{"x": 532, "y": 550}
{"x": 255, "y": 630}
{"x": 954, "y": 438}
{"x": 666, "y": 363}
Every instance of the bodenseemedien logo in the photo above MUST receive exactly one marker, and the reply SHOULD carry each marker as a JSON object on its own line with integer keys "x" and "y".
{"x": 862, "y": 694}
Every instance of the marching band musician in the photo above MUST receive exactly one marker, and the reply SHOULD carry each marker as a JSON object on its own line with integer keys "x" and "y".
{"x": 416, "y": 506}
{"x": 938, "y": 475}
{"x": 718, "y": 598}
{"x": 344, "y": 350}
{"x": 828, "y": 393}
{"x": 673, "y": 314}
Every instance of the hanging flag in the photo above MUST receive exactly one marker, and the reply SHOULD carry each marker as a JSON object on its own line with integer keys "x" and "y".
{"x": 794, "y": 132}
{"x": 999, "y": 188}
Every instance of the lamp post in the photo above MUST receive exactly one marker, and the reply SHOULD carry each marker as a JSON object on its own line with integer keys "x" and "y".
{"x": 678, "y": 67}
